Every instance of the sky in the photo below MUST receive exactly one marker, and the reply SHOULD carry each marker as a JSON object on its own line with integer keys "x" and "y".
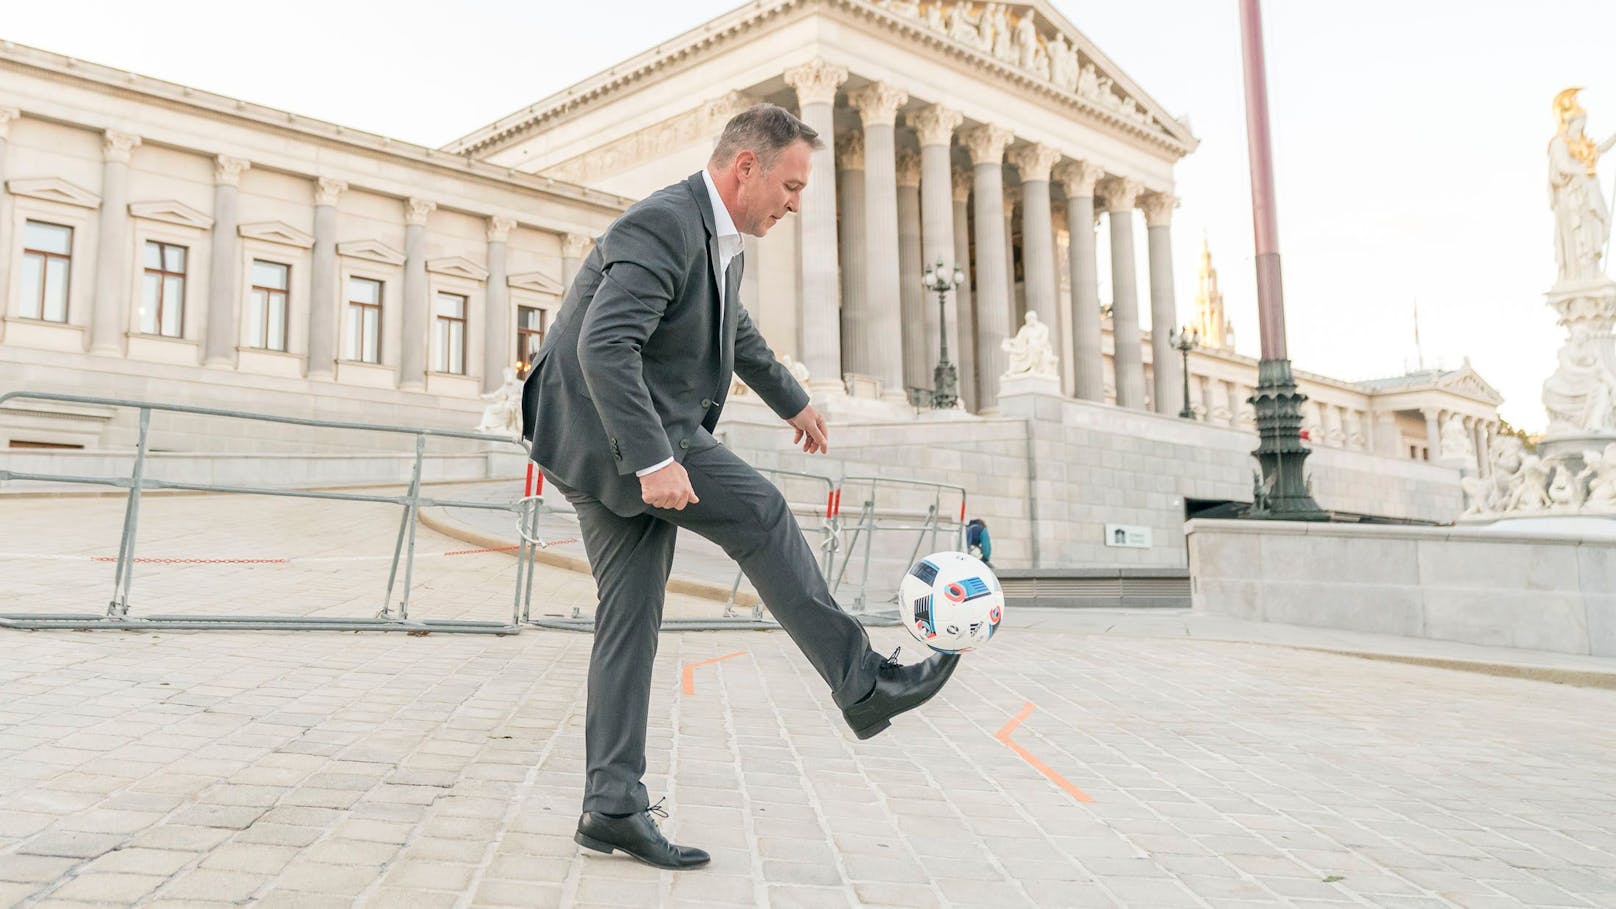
{"x": 1409, "y": 137}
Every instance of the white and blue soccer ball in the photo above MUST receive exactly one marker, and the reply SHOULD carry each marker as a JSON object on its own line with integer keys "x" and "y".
{"x": 951, "y": 602}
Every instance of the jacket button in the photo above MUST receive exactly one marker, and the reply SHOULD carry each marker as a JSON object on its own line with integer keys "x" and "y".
{"x": 684, "y": 443}
{"x": 706, "y": 402}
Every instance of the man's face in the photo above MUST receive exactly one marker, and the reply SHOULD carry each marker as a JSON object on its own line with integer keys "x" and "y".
{"x": 766, "y": 196}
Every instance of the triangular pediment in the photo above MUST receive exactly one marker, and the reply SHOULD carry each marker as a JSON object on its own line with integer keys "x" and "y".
{"x": 170, "y": 211}
{"x": 537, "y": 282}
{"x": 458, "y": 266}
{"x": 1466, "y": 381}
{"x": 1035, "y": 40}
{"x": 373, "y": 250}
{"x": 276, "y": 232}
{"x": 54, "y": 189}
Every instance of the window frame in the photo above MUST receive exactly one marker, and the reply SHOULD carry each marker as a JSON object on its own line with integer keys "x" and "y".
{"x": 44, "y": 274}
{"x": 348, "y": 304}
{"x": 438, "y": 319}
{"x": 286, "y": 304}
{"x": 163, "y": 274}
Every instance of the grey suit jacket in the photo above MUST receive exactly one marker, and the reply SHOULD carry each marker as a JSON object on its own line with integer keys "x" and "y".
{"x": 636, "y": 367}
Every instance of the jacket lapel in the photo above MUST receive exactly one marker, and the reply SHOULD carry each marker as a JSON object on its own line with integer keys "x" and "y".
{"x": 732, "y": 308}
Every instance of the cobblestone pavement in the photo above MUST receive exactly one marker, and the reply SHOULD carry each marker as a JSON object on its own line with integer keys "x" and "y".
{"x": 315, "y": 769}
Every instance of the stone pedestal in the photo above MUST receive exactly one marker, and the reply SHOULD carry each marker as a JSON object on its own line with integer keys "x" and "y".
{"x": 1030, "y": 384}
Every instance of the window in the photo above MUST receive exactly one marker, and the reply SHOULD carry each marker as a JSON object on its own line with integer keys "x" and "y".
{"x": 46, "y": 259}
{"x": 449, "y": 334}
{"x": 266, "y": 322}
{"x": 162, "y": 296}
{"x": 364, "y": 320}
{"x": 529, "y": 335}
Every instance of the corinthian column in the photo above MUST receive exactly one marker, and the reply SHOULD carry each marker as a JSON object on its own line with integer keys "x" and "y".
{"x": 573, "y": 249}
{"x": 856, "y": 325}
{"x": 911, "y": 296}
{"x": 323, "y": 281}
{"x": 497, "y": 319}
{"x": 1078, "y": 179}
{"x": 1037, "y": 242}
{"x": 1169, "y": 388}
{"x": 878, "y": 103}
{"x": 962, "y": 318}
{"x": 110, "y": 311}
{"x": 819, "y": 333}
{"x": 412, "y": 345}
{"x": 224, "y": 275}
{"x": 935, "y": 127}
{"x": 986, "y": 144}
{"x": 1120, "y": 195}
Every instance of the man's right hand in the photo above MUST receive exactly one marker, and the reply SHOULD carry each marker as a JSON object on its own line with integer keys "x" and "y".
{"x": 668, "y": 488}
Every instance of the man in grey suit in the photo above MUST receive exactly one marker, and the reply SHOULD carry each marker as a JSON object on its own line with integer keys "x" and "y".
{"x": 620, "y": 407}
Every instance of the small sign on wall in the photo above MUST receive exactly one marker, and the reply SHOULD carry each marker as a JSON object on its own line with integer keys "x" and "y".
{"x": 1127, "y": 536}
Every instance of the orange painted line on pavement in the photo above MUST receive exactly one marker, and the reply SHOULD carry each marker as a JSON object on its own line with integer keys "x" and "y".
{"x": 690, "y": 669}
{"x": 1003, "y": 735}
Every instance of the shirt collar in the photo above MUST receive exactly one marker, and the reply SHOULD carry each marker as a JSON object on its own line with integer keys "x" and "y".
{"x": 723, "y": 225}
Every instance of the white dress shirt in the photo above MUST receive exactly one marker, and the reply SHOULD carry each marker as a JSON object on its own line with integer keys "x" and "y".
{"x": 729, "y": 246}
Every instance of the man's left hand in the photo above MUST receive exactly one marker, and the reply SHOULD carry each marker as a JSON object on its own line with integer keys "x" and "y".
{"x": 811, "y": 431}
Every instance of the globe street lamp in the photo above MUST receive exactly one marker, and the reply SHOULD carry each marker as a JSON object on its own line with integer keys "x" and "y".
{"x": 1186, "y": 340}
{"x": 945, "y": 384}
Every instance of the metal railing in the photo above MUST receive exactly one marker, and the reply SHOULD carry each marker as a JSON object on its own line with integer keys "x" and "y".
{"x": 117, "y": 614}
{"x": 922, "y": 508}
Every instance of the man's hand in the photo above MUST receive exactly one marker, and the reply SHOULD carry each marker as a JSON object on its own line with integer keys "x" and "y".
{"x": 668, "y": 488}
{"x": 811, "y": 432}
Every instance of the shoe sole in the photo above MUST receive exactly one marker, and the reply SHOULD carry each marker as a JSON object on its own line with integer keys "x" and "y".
{"x": 589, "y": 842}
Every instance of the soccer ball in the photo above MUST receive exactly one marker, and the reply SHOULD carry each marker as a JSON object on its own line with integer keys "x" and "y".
{"x": 950, "y": 602}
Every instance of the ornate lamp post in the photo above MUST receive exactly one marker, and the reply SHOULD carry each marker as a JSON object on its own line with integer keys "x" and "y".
{"x": 945, "y": 383}
{"x": 1186, "y": 340}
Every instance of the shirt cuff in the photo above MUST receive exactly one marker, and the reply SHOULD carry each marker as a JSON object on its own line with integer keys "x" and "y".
{"x": 653, "y": 468}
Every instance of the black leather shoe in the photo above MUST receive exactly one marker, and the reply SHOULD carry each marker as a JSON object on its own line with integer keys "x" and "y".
{"x": 638, "y": 836}
{"x": 898, "y": 688}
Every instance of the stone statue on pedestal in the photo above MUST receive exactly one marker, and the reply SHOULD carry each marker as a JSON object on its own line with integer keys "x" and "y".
{"x": 1030, "y": 351}
{"x": 1456, "y": 444}
{"x": 503, "y": 415}
{"x": 1581, "y": 395}
{"x": 1581, "y": 221}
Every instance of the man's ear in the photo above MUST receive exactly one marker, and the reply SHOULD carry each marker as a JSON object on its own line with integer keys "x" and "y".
{"x": 746, "y": 164}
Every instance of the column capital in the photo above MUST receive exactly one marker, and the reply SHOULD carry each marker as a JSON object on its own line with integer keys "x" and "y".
{"x": 7, "y": 114}
{"x": 227, "y": 170}
{"x": 328, "y": 189}
{"x": 499, "y": 228}
{"x": 986, "y": 143}
{"x": 1078, "y": 177}
{"x": 909, "y": 169}
{"x": 816, "y": 81}
{"x": 117, "y": 146}
{"x": 573, "y": 245}
{"x": 963, "y": 181}
{"x": 1158, "y": 208}
{"x": 850, "y": 151}
{"x": 1033, "y": 161}
{"x": 934, "y": 125}
{"x": 878, "y": 103}
{"x": 1120, "y": 193}
{"x": 416, "y": 210}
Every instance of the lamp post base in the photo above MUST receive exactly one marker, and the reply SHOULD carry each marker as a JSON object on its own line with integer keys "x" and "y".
{"x": 1281, "y": 493}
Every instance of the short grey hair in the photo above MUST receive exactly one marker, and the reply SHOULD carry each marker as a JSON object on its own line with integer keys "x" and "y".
{"x": 766, "y": 130}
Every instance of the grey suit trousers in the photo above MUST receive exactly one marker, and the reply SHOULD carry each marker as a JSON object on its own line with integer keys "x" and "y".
{"x": 631, "y": 558}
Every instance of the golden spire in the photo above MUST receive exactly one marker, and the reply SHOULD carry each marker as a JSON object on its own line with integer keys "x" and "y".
{"x": 1209, "y": 319}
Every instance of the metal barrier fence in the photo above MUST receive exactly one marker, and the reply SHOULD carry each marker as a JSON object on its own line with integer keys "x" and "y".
{"x": 919, "y": 509}
{"x": 117, "y": 615}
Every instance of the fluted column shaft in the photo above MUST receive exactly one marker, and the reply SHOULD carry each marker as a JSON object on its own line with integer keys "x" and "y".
{"x": 1169, "y": 386}
{"x": 110, "y": 310}
{"x": 224, "y": 271}
{"x": 987, "y": 144}
{"x": 1078, "y": 179}
{"x": 497, "y": 317}
{"x": 855, "y": 277}
{"x": 323, "y": 314}
{"x": 417, "y": 320}
{"x": 934, "y": 127}
{"x": 917, "y": 360}
{"x": 819, "y": 340}
{"x": 878, "y": 104}
{"x": 1433, "y": 432}
{"x": 961, "y": 332}
{"x": 1037, "y": 241}
{"x": 1120, "y": 196}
